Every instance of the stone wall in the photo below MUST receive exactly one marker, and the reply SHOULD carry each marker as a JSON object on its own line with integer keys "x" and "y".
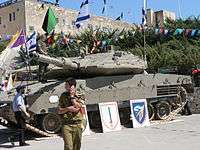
{"x": 159, "y": 17}
{"x": 31, "y": 13}
{"x": 195, "y": 101}
{"x": 11, "y": 17}
{"x": 66, "y": 18}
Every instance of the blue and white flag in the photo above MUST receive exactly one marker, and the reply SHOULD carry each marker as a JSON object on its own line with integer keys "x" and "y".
{"x": 144, "y": 14}
{"x": 83, "y": 15}
{"x": 31, "y": 42}
{"x": 104, "y": 7}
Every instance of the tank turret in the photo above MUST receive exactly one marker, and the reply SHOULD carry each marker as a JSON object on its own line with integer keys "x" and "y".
{"x": 112, "y": 63}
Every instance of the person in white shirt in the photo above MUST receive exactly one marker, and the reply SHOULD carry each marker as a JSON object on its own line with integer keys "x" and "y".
{"x": 19, "y": 109}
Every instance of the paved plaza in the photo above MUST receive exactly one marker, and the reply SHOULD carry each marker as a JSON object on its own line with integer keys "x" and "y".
{"x": 183, "y": 133}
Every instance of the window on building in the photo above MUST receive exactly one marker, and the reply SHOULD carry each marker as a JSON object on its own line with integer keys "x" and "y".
{"x": 73, "y": 22}
{"x": 13, "y": 15}
{"x": 31, "y": 28}
{"x": 10, "y": 17}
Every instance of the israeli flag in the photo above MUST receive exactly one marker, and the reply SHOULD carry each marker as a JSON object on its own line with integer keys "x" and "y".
{"x": 31, "y": 42}
{"x": 83, "y": 15}
{"x": 144, "y": 14}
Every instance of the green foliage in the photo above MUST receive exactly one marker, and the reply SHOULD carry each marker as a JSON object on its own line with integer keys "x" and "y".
{"x": 3, "y": 45}
{"x": 161, "y": 50}
{"x": 190, "y": 23}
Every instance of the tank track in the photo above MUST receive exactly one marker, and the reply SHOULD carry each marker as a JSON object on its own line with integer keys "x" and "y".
{"x": 31, "y": 128}
{"x": 172, "y": 115}
{"x": 175, "y": 112}
{"x": 3, "y": 122}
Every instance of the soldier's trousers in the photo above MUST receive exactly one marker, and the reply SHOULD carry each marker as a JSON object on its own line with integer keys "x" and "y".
{"x": 42, "y": 70}
{"x": 21, "y": 126}
{"x": 186, "y": 109}
{"x": 72, "y": 135}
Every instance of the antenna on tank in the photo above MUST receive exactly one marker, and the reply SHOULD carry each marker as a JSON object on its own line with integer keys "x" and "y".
{"x": 179, "y": 9}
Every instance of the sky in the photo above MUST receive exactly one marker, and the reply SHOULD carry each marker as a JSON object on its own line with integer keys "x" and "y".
{"x": 132, "y": 8}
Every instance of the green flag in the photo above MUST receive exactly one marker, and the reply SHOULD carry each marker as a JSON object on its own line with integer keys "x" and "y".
{"x": 50, "y": 21}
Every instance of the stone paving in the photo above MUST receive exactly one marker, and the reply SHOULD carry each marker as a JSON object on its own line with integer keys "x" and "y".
{"x": 182, "y": 133}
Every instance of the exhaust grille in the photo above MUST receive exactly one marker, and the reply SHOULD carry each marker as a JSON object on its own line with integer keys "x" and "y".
{"x": 166, "y": 90}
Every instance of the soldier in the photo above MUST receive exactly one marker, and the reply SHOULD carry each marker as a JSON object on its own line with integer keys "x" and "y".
{"x": 96, "y": 44}
{"x": 182, "y": 95}
{"x": 42, "y": 48}
{"x": 70, "y": 109}
{"x": 19, "y": 109}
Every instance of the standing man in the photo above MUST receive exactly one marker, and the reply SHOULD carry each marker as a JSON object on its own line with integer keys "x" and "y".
{"x": 182, "y": 94}
{"x": 69, "y": 107}
{"x": 41, "y": 48}
{"x": 96, "y": 43}
{"x": 19, "y": 109}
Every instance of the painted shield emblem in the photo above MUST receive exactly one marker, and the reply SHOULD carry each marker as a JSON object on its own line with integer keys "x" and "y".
{"x": 139, "y": 111}
{"x": 109, "y": 115}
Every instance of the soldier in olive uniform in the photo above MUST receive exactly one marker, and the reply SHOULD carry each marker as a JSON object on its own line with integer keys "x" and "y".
{"x": 42, "y": 48}
{"x": 70, "y": 109}
{"x": 182, "y": 95}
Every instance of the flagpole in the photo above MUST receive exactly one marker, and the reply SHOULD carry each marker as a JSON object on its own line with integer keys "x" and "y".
{"x": 144, "y": 40}
{"x": 105, "y": 9}
{"x": 179, "y": 9}
{"x": 106, "y": 13}
{"x": 144, "y": 35}
{"x": 28, "y": 68}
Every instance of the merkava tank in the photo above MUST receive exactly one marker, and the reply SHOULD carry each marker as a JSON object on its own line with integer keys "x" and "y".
{"x": 102, "y": 77}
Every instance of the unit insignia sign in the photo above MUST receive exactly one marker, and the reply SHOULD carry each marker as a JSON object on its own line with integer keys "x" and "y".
{"x": 109, "y": 116}
{"x": 139, "y": 113}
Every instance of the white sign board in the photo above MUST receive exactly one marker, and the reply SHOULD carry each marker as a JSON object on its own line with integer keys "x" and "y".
{"x": 139, "y": 113}
{"x": 109, "y": 116}
{"x": 85, "y": 125}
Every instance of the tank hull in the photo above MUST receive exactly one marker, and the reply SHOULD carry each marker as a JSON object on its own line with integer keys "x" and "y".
{"x": 153, "y": 87}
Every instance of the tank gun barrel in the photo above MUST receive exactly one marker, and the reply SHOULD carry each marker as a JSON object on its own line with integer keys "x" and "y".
{"x": 63, "y": 62}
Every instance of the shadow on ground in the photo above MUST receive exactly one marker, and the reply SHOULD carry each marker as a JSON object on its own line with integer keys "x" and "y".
{"x": 8, "y": 137}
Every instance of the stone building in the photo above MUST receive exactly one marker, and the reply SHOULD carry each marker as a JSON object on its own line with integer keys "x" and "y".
{"x": 29, "y": 14}
{"x": 158, "y": 18}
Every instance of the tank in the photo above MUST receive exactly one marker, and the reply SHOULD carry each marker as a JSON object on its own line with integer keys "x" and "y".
{"x": 103, "y": 77}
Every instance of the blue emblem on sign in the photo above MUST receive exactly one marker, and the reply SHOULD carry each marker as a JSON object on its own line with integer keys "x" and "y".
{"x": 139, "y": 111}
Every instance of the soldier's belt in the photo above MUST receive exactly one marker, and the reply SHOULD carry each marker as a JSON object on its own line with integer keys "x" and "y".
{"x": 72, "y": 122}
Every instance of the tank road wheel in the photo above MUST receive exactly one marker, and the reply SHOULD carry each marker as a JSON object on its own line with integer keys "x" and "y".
{"x": 163, "y": 110}
{"x": 151, "y": 111}
{"x": 51, "y": 123}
